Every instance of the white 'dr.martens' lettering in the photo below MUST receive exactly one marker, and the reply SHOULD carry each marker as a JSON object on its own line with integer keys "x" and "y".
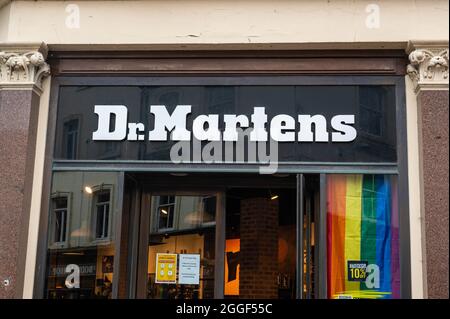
{"x": 113, "y": 126}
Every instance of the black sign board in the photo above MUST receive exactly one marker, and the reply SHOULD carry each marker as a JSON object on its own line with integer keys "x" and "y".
{"x": 371, "y": 108}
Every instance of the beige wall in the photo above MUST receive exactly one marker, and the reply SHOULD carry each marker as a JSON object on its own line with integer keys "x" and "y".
{"x": 416, "y": 226}
{"x": 4, "y": 22}
{"x": 38, "y": 179}
{"x": 165, "y": 22}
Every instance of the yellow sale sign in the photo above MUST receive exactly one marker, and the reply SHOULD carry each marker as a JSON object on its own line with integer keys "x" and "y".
{"x": 166, "y": 269}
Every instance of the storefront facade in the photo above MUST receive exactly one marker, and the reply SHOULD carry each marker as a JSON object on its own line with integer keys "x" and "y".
{"x": 164, "y": 166}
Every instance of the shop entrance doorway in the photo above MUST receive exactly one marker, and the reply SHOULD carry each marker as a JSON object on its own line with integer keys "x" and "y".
{"x": 195, "y": 236}
{"x": 260, "y": 243}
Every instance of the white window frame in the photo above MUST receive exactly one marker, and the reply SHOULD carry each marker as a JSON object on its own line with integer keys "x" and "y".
{"x": 60, "y": 244}
{"x": 95, "y": 191}
{"x": 158, "y": 206}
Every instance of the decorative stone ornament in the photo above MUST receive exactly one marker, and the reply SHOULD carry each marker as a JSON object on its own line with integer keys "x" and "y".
{"x": 428, "y": 68}
{"x": 23, "y": 70}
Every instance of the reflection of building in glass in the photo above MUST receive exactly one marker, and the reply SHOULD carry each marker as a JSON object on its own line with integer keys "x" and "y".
{"x": 371, "y": 110}
{"x": 220, "y": 99}
{"x": 166, "y": 207}
{"x": 176, "y": 213}
{"x": 81, "y": 233}
{"x": 70, "y": 139}
{"x": 101, "y": 218}
{"x": 75, "y": 138}
{"x": 59, "y": 216}
{"x": 168, "y": 96}
{"x": 204, "y": 100}
{"x": 376, "y": 125}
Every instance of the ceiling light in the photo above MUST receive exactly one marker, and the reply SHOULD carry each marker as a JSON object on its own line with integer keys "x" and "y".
{"x": 74, "y": 254}
{"x": 272, "y": 196}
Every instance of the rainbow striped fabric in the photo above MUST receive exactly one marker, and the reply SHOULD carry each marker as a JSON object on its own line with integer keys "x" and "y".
{"x": 362, "y": 225}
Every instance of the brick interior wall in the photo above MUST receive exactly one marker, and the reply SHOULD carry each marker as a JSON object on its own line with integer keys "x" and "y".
{"x": 259, "y": 248}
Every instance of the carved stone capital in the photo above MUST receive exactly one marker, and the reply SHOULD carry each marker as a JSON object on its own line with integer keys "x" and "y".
{"x": 23, "y": 69}
{"x": 428, "y": 68}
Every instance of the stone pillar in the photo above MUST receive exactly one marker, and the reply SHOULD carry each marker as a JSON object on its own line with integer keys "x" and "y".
{"x": 22, "y": 69}
{"x": 428, "y": 70}
{"x": 259, "y": 249}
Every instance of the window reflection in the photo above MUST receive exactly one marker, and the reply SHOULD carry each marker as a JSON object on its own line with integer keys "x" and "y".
{"x": 59, "y": 217}
{"x": 102, "y": 211}
{"x": 169, "y": 98}
{"x": 165, "y": 212}
{"x": 372, "y": 103}
{"x": 70, "y": 141}
{"x": 81, "y": 236}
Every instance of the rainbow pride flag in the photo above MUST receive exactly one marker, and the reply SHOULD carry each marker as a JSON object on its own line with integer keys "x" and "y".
{"x": 362, "y": 225}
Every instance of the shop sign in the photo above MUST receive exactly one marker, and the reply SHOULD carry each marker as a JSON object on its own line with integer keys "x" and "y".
{"x": 260, "y": 125}
{"x": 357, "y": 270}
{"x": 189, "y": 269}
{"x": 166, "y": 269}
{"x": 282, "y": 127}
{"x": 85, "y": 269}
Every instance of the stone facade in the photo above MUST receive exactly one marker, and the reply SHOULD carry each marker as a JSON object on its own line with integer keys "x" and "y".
{"x": 429, "y": 72}
{"x": 21, "y": 73}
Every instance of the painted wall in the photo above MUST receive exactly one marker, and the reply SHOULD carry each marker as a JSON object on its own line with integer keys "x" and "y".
{"x": 162, "y": 22}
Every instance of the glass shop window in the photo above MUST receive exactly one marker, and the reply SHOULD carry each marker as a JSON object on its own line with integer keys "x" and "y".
{"x": 220, "y": 99}
{"x": 181, "y": 260}
{"x": 59, "y": 216}
{"x": 83, "y": 267}
{"x": 371, "y": 110}
{"x": 102, "y": 211}
{"x": 169, "y": 98}
{"x": 363, "y": 236}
